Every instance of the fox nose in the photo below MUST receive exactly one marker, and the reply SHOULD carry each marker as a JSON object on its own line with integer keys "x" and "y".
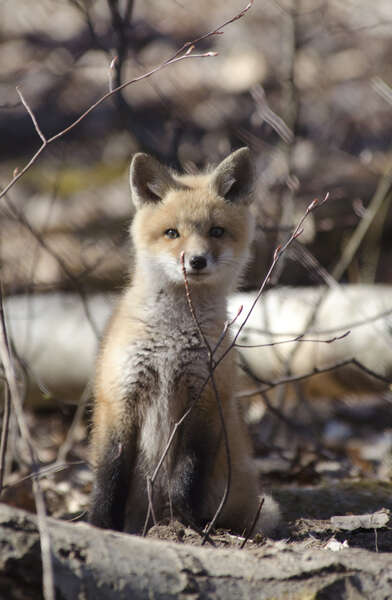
{"x": 198, "y": 262}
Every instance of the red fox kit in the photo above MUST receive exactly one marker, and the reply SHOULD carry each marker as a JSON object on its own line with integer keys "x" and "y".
{"x": 153, "y": 363}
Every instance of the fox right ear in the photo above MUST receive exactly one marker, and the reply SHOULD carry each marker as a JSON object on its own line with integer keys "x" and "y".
{"x": 233, "y": 177}
{"x": 149, "y": 180}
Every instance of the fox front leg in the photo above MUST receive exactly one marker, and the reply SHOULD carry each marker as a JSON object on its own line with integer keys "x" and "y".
{"x": 113, "y": 474}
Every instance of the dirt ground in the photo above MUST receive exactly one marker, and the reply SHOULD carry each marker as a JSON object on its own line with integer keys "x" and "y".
{"x": 340, "y": 468}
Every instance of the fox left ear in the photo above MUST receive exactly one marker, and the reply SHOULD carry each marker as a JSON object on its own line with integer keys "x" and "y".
{"x": 149, "y": 180}
{"x": 233, "y": 177}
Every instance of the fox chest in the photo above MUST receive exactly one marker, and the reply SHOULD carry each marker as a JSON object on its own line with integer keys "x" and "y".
{"x": 164, "y": 367}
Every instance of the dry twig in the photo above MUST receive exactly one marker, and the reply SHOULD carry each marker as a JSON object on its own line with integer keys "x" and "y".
{"x": 178, "y": 56}
{"x": 251, "y": 528}
{"x": 6, "y": 358}
{"x": 213, "y": 365}
{"x": 211, "y": 369}
{"x": 268, "y": 385}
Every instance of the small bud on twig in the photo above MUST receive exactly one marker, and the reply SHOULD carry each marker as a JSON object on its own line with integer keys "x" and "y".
{"x": 325, "y": 198}
{"x": 276, "y": 253}
{"x": 239, "y": 311}
{"x": 312, "y": 205}
{"x": 298, "y": 233}
{"x": 112, "y": 67}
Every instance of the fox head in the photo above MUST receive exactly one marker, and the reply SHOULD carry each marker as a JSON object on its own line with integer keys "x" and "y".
{"x": 205, "y": 218}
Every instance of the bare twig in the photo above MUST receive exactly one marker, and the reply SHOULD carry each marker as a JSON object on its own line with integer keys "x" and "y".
{"x": 268, "y": 385}
{"x": 279, "y": 251}
{"x": 217, "y": 31}
{"x": 112, "y": 67}
{"x": 178, "y": 56}
{"x": 228, "y": 462}
{"x": 17, "y": 214}
{"x": 150, "y": 504}
{"x": 251, "y": 528}
{"x": 381, "y": 196}
{"x": 6, "y": 358}
{"x": 7, "y": 404}
{"x": 83, "y": 7}
{"x": 45, "y": 472}
{"x": 93, "y": 107}
{"x": 4, "y": 433}
{"x": 277, "y": 255}
{"x": 265, "y": 113}
{"x": 299, "y": 338}
{"x": 170, "y": 442}
{"x": 151, "y": 480}
{"x": 69, "y": 440}
{"x": 211, "y": 368}
{"x": 382, "y": 88}
{"x": 346, "y": 326}
{"x": 35, "y": 122}
{"x": 226, "y": 328}
{"x": 192, "y": 309}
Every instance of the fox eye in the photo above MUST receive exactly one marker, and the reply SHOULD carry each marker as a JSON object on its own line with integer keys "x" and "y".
{"x": 172, "y": 234}
{"x": 216, "y": 232}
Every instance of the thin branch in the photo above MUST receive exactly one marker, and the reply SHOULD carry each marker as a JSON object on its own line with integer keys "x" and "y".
{"x": 382, "y": 88}
{"x": 265, "y": 113}
{"x": 170, "y": 442}
{"x": 150, "y": 503}
{"x": 268, "y": 385}
{"x": 296, "y": 427}
{"x": 6, "y": 358}
{"x": 226, "y": 328}
{"x": 4, "y": 431}
{"x": 45, "y": 472}
{"x": 82, "y": 7}
{"x": 277, "y": 255}
{"x": 7, "y": 401}
{"x": 211, "y": 368}
{"x": 228, "y": 462}
{"x": 93, "y": 107}
{"x": 17, "y": 214}
{"x": 299, "y": 338}
{"x": 251, "y": 529}
{"x": 33, "y": 118}
{"x": 112, "y": 68}
{"x": 381, "y": 196}
{"x": 217, "y": 31}
{"x": 177, "y": 57}
{"x": 278, "y": 252}
{"x": 191, "y": 307}
{"x": 69, "y": 440}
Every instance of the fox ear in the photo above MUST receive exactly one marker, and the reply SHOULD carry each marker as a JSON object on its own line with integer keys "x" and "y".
{"x": 149, "y": 180}
{"x": 233, "y": 177}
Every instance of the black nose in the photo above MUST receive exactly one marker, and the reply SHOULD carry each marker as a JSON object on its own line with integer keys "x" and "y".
{"x": 198, "y": 262}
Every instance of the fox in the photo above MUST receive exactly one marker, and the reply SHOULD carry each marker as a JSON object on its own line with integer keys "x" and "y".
{"x": 153, "y": 365}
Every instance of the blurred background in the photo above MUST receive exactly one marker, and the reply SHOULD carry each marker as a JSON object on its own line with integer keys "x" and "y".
{"x": 306, "y": 84}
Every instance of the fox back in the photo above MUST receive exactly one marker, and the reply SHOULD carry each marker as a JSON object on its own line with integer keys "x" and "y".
{"x": 154, "y": 365}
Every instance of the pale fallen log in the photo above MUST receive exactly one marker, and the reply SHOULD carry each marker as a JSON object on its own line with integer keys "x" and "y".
{"x": 319, "y": 315}
{"x": 102, "y": 565}
{"x": 54, "y": 338}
